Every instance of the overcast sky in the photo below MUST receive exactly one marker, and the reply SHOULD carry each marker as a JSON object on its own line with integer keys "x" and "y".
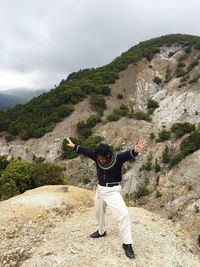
{"x": 42, "y": 41}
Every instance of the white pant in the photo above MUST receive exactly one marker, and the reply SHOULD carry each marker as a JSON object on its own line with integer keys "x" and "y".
{"x": 111, "y": 196}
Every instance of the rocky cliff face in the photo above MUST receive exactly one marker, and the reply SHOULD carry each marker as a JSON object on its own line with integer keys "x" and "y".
{"x": 179, "y": 186}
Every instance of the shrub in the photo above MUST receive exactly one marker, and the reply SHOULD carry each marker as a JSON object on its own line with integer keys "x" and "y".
{"x": 152, "y": 136}
{"x": 182, "y": 57}
{"x": 171, "y": 54}
{"x": 181, "y": 65}
{"x": 113, "y": 117}
{"x": 156, "y": 166}
{"x": 46, "y": 174}
{"x": 141, "y": 116}
{"x": 8, "y": 190}
{"x": 120, "y": 96}
{"x": 185, "y": 78}
{"x": 142, "y": 191}
{"x": 17, "y": 176}
{"x": 189, "y": 187}
{"x": 167, "y": 78}
{"x": 163, "y": 135}
{"x": 157, "y": 80}
{"x": 152, "y": 104}
{"x": 182, "y": 128}
{"x": 117, "y": 113}
{"x": 195, "y": 79}
{"x": 98, "y": 101}
{"x": 197, "y": 210}
{"x": 192, "y": 65}
{"x": 176, "y": 159}
{"x": 180, "y": 72}
{"x": 86, "y": 180}
{"x": 3, "y": 163}
{"x": 188, "y": 49}
{"x": 85, "y": 128}
{"x": 93, "y": 120}
{"x": 198, "y": 240}
{"x": 165, "y": 155}
{"x": 147, "y": 166}
{"x": 190, "y": 143}
{"x": 158, "y": 194}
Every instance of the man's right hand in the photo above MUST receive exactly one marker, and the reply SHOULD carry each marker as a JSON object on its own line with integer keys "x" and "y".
{"x": 70, "y": 143}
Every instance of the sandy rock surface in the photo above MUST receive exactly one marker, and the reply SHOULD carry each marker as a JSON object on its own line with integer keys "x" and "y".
{"x": 52, "y": 228}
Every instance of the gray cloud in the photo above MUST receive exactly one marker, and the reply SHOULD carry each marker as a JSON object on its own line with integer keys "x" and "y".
{"x": 44, "y": 41}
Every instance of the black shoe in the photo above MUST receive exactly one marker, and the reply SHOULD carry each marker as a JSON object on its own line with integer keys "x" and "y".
{"x": 129, "y": 251}
{"x": 97, "y": 235}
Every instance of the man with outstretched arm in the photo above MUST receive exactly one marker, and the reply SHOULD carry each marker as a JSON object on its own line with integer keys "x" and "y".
{"x": 108, "y": 193}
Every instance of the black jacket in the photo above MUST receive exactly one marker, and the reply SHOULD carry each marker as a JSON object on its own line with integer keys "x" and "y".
{"x": 112, "y": 172}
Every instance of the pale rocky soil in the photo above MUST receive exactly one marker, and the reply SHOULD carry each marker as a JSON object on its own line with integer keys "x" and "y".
{"x": 46, "y": 228}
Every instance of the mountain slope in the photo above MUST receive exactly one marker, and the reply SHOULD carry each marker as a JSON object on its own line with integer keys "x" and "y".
{"x": 43, "y": 112}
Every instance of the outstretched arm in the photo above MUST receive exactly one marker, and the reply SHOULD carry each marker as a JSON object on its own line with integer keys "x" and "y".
{"x": 140, "y": 145}
{"x": 82, "y": 150}
{"x": 123, "y": 157}
{"x": 70, "y": 143}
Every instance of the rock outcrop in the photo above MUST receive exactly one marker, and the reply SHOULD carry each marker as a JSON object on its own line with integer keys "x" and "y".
{"x": 51, "y": 227}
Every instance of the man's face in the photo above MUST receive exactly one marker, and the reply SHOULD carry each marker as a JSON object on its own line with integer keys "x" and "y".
{"x": 103, "y": 160}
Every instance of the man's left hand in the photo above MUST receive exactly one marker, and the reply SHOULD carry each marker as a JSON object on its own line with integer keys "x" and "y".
{"x": 140, "y": 145}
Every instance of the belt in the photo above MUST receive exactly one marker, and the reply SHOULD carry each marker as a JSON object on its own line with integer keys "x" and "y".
{"x": 110, "y": 184}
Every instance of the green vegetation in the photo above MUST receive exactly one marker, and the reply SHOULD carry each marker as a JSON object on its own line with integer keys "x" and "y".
{"x": 118, "y": 113}
{"x": 142, "y": 191}
{"x": 197, "y": 209}
{"x": 8, "y": 137}
{"x": 176, "y": 159}
{"x": 198, "y": 240}
{"x": 194, "y": 80}
{"x": 188, "y": 145}
{"x": 120, "y": 96}
{"x": 157, "y": 166}
{"x": 171, "y": 54}
{"x": 46, "y": 174}
{"x": 189, "y": 187}
{"x": 182, "y": 128}
{"x": 180, "y": 72}
{"x": 17, "y": 176}
{"x": 152, "y": 105}
{"x": 152, "y": 136}
{"x": 168, "y": 77}
{"x": 140, "y": 116}
{"x": 157, "y": 80}
{"x": 147, "y": 166}
{"x": 158, "y": 194}
{"x": 85, "y": 128}
{"x": 165, "y": 155}
{"x": 192, "y": 65}
{"x": 163, "y": 135}
{"x": 188, "y": 49}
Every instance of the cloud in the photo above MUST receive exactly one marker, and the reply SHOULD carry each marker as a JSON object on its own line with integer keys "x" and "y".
{"x": 43, "y": 41}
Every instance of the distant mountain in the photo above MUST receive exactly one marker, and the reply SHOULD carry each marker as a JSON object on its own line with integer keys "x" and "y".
{"x": 9, "y": 98}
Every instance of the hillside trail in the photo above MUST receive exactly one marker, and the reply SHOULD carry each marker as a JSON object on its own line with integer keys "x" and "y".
{"x": 53, "y": 228}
